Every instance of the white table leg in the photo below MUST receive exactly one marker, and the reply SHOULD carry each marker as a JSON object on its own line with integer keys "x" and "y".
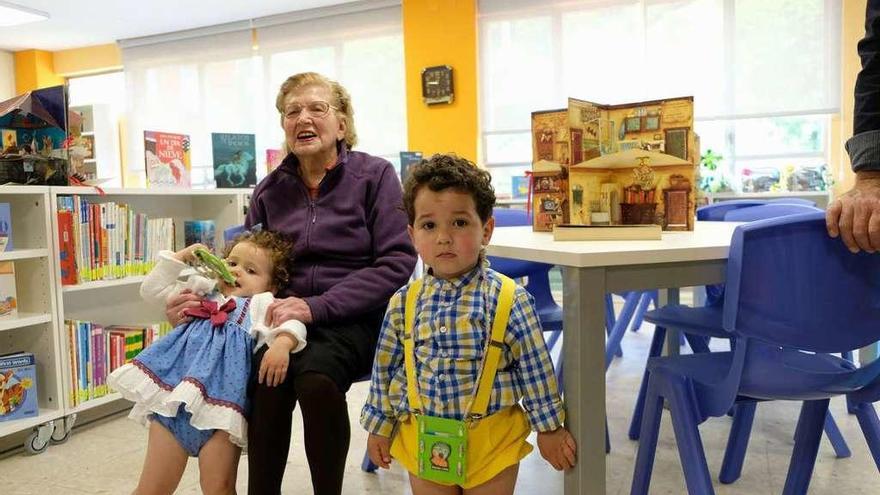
{"x": 584, "y": 376}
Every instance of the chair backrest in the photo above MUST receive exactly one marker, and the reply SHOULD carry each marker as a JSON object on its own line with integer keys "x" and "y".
{"x": 793, "y": 201}
{"x": 510, "y": 217}
{"x": 790, "y": 284}
{"x": 716, "y": 211}
{"x": 769, "y": 210}
{"x": 230, "y": 233}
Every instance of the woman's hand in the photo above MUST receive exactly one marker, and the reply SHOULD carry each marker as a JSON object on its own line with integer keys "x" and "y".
{"x": 558, "y": 447}
{"x": 290, "y": 308}
{"x": 175, "y": 306}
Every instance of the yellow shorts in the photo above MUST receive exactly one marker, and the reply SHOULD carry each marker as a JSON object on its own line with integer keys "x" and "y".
{"x": 497, "y": 442}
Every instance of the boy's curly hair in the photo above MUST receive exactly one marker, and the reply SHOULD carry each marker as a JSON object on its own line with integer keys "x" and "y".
{"x": 280, "y": 253}
{"x": 444, "y": 171}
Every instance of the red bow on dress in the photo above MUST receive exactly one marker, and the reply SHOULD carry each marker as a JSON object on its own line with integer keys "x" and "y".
{"x": 209, "y": 310}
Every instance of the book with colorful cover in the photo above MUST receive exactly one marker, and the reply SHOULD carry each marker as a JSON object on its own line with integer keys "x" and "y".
{"x": 167, "y": 158}
{"x": 6, "y": 227}
{"x": 18, "y": 386}
{"x": 67, "y": 251}
{"x": 273, "y": 159}
{"x": 8, "y": 298}
{"x": 408, "y": 159}
{"x": 201, "y": 231}
{"x": 519, "y": 187}
{"x": 235, "y": 162}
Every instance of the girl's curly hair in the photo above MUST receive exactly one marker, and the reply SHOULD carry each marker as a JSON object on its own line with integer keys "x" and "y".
{"x": 280, "y": 253}
{"x": 445, "y": 171}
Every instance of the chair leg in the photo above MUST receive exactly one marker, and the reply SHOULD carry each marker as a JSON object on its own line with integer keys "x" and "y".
{"x": 613, "y": 343}
{"x": 644, "y": 301}
{"x": 635, "y": 423}
{"x": 850, "y": 407}
{"x": 687, "y": 437}
{"x": 559, "y": 383}
{"x": 841, "y": 449}
{"x": 607, "y": 437}
{"x": 806, "y": 446}
{"x": 367, "y": 465}
{"x": 867, "y": 417}
{"x": 611, "y": 320}
{"x": 650, "y": 430}
{"x": 698, "y": 343}
{"x": 737, "y": 442}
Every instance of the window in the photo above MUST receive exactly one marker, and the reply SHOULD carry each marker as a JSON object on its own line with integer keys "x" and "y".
{"x": 227, "y": 82}
{"x": 763, "y": 73}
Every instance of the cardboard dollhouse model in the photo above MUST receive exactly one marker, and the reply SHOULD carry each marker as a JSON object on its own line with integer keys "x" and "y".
{"x": 625, "y": 164}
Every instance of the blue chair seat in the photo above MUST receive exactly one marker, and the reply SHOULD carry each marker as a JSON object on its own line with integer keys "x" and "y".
{"x": 704, "y": 320}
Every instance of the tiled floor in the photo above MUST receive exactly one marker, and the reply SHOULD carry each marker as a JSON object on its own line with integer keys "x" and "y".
{"x": 105, "y": 457}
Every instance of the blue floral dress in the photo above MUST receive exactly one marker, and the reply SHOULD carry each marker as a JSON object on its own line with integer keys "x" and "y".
{"x": 193, "y": 381}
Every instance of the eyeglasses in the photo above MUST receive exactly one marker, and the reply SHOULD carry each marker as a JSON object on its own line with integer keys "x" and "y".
{"x": 318, "y": 109}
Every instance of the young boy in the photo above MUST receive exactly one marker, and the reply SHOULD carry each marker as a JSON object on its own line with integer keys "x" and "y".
{"x": 459, "y": 349}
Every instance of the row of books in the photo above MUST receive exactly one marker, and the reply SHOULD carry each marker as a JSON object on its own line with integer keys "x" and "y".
{"x": 104, "y": 241}
{"x": 96, "y": 350}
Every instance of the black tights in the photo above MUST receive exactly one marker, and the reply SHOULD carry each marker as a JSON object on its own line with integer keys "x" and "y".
{"x": 326, "y": 426}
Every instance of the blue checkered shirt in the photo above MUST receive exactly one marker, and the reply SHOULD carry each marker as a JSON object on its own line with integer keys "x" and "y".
{"x": 453, "y": 320}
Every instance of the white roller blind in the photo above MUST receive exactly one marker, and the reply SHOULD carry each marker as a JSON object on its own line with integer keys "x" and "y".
{"x": 218, "y": 80}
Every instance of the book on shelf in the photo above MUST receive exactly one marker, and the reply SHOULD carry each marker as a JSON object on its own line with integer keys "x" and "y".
{"x": 6, "y": 227}
{"x": 18, "y": 386}
{"x": 519, "y": 187}
{"x": 407, "y": 160}
{"x": 570, "y": 232}
{"x": 8, "y": 299}
{"x": 167, "y": 159}
{"x": 273, "y": 159}
{"x": 96, "y": 350}
{"x": 235, "y": 163}
{"x": 105, "y": 241}
{"x": 201, "y": 231}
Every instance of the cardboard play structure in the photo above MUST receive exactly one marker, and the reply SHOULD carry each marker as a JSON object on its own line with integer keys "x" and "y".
{"x": 627, "y": 164}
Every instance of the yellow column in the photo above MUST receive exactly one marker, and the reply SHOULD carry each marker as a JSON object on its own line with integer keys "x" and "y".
{"x": 442, "y": 32}
{"x": 34, "y": 69}
{"x": 852, "y": 30}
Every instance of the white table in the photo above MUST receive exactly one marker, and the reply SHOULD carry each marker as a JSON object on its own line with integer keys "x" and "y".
{"x": 590, "y": 269}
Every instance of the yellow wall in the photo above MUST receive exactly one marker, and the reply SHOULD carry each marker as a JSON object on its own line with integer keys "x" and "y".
{"x": 852, "y": 30}
{"x": 88, "y": 60}
{"x": 442, "y": 32}
{"x": 34, "y": 70}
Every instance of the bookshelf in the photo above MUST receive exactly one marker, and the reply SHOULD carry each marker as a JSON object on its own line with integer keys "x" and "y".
{"x": 44, "y": 304}
{"x": 34, "y": 329}
{"x": 117, "y": 301}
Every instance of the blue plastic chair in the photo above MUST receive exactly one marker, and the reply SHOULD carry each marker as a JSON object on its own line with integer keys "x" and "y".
{"x": 702, "y": 323}
{"x": 793, "y": 296}
{"x": 716, "y": 211}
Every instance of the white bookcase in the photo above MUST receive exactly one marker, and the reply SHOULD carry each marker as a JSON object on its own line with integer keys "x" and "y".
{"x": 44, "y": 303}
{"x": 35, "y": 329}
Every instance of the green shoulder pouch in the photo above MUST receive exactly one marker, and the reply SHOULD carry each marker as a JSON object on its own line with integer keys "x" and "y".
{"x": 442, "y": 449}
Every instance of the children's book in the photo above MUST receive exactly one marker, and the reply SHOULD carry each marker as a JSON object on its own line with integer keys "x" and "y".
{"x": 273, "y": 159}
{"x": 167, "y": 159}
{"x": 519, "y": 187}
{"x": 8, "y": 299}
{"x": 18, "y": 386}
{"x": 235, "y": 162}
{"x": 569, "y": 232}
{"x": 6, "y": 227}
{"x": 408, "y": 159}
{"x": 202, "y": 231}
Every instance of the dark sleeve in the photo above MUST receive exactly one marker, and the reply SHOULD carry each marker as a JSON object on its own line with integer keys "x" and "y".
{"x": 370, "y": 288}
{"x": 864, "y": 146}
{"x": 256, "y": 212}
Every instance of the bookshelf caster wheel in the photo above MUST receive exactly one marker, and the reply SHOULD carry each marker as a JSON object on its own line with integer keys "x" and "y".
{"x": 61, "y": 432}
{"x": 38, "y": 441}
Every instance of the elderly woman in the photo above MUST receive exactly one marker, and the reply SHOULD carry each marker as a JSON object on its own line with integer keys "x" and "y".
{"x": 343, "y": 210}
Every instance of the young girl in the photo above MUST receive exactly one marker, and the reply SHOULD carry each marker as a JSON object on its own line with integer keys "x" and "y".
{"x": 461, "y": 373}
{"x": 191, "y": 384}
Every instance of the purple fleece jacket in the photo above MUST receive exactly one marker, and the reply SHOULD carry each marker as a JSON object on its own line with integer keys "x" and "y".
{"x": 351, "y": 248}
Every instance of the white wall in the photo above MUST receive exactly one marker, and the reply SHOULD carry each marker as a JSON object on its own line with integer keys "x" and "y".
{"x": 7, "y": 75}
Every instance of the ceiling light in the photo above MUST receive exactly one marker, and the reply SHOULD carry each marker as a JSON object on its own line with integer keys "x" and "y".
{"x": 13, "y": 15}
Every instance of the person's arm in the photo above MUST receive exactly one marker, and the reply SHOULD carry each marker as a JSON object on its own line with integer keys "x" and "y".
{"x": 368, "y": 289}
{"x": 161, "y": 283}
{"x": 378, "y": 415}
{"x": 294, "y": 329}
{"x": 534, "y": 371}
{"x": 855, "y": 216}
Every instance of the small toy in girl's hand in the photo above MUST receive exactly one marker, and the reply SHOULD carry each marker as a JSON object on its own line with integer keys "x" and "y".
{"x": 212, "y": 266}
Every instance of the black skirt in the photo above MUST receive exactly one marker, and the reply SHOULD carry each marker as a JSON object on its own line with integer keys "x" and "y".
{"x": 344, "y": 351}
